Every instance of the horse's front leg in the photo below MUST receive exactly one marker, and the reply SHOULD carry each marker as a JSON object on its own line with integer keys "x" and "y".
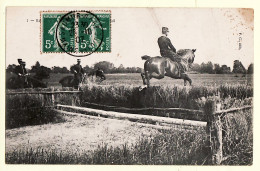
{"x": 186, "y": 78}
{"x": 143, "y": 78}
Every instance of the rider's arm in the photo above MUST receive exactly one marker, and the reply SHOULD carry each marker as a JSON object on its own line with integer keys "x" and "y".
{"x": 171, "y": 46}
{"x": 72, "y": 69}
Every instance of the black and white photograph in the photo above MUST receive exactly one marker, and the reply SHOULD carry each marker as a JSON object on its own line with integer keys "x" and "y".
{"x": 129, "y": 86}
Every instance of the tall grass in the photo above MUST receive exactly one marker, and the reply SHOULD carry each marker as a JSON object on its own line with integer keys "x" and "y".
{"x": 24, "y": 110}
{"x": 238, "y": 138}
{"x": 166, "y": 96}
{"x": 168, "y": 148}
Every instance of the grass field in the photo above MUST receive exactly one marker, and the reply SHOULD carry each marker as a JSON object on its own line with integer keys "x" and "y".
{"x": 135, "y": 79}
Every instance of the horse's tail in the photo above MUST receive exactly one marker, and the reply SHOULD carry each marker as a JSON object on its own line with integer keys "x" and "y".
{"x": 146, "y": 57}
{"x": 63, "y": 79}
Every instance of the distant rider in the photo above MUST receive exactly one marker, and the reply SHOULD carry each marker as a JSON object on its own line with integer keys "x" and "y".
{"x": 78, "y": 72}
{"x": 166, "y": 48}
{"x": 21, "y": 73}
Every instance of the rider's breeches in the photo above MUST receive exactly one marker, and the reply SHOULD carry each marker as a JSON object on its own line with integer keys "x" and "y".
{"x": 77, "y": 78}
{"x": 169, "y": 54}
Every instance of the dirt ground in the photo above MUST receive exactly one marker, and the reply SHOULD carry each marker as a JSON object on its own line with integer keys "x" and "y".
{"x": 78, "y": 133}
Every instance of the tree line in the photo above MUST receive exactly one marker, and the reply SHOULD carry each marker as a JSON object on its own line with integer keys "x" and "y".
{"x": 210, "y": 68}
{"x": 106, "y": 66}
{"x": 109, "y": 67}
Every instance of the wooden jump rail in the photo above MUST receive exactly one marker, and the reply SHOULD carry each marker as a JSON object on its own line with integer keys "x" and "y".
{"x": 133, "y": 117}
{"x": 180, "y": 113}
{"x": 148, "y": 108}
{"x": 232, "y": 110}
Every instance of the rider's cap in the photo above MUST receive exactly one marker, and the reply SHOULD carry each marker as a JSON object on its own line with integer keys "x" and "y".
{"x": 78, "y": 60}
{"x": 165, "y": 29}
{"x": 19, "y": 60}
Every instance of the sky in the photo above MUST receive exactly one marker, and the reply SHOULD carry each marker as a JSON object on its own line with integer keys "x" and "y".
{"x": 214, "y": 32}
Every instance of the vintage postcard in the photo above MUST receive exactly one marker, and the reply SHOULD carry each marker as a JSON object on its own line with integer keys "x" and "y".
{"x": 129, "y": 86}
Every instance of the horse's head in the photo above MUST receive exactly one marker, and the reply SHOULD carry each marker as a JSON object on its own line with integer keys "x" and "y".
{"x": 191, "y": 59}
{"x": 187, "y": 55}
{"x": 100, "y": 73}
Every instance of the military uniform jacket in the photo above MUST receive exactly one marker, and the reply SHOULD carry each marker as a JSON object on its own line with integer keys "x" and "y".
{"x": 165, "y": 45}
{"x": 75, "y": 69}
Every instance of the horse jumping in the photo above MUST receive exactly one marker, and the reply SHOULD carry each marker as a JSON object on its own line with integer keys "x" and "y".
{"x": 158, "y": 67}
{"x": 98, "y": 73}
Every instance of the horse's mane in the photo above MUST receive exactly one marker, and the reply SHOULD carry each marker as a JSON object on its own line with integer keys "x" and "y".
{"x": 185, "y": 56}
{"x": 183, "y": 52}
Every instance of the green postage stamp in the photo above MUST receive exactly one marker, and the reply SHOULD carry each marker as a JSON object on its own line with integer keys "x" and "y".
{"x": 75, "y": 32}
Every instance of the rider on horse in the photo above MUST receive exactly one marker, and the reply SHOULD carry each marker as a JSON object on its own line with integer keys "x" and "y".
{"x": 21, "y": 73}
{"x": 167, "y": 50}
{"x": 165, "y": 45}
{"x": 78, "y": 72}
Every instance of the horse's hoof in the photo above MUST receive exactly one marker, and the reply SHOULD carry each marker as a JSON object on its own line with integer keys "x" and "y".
{"x": 142, "y": 87}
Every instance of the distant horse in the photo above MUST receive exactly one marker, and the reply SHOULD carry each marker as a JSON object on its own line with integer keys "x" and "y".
{"x": 28, "y": 81}
{"x": 24, "y": 82}
{"x": 98, "y": 73}
{"x": 70, "y": 81}
{"x": 158, "y": 67}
